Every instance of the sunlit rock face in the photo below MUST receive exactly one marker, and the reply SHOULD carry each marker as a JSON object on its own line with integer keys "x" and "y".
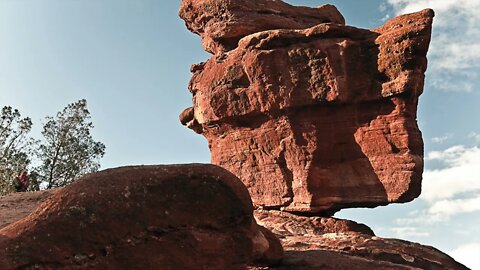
{"x": 221, "y": 24}
{"x": 312, "y": 115}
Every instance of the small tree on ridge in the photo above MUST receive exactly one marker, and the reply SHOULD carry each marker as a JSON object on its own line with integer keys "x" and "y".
{"x": 68, "y": 150}
{"x": 15, "y": 146}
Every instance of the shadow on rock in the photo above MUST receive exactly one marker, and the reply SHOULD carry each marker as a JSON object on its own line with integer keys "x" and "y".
{"x": 145, "y": 217}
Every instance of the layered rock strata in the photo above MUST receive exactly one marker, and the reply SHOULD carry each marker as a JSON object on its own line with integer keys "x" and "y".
{"x": 329, "y": 243}
{"x": 148, "y": 217}
{"x": 221, "y": 24}
{"x": 313, "y": 116}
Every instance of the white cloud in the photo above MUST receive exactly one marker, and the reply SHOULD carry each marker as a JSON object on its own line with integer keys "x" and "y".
{"x": 457, "y": 206}
{"x": 441, "y": 139}
{"x": 468, "y": 254}
{"x": 460, "y": 175}
{"x": 423, "y": 217}
{"x": 451, "y": 190}
{"x": 383, "y": 7}
{"x": 475, "y": 136}
{"x": 455, "y": 49}
{"x": 407, "y": 232}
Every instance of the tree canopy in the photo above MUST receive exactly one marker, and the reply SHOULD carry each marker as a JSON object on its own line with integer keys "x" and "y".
{"x": 15, "y": 146}
{"x": 68, "y": 150}
{"x": 65, "y": 152}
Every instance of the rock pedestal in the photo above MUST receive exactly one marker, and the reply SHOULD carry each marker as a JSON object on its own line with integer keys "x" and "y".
{"x": 331, "y": 244}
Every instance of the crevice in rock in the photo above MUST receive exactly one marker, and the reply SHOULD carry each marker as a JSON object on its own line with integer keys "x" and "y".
{"x": 287, "y": 175}
{"x": 256, "y": 119}
{"x": 331, "y": 32}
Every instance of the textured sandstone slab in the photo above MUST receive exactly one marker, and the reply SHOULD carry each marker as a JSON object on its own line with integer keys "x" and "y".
{"x": 285, "y": 224}
{"x": 16, "y": 206}
{"x": 318, "y": 118}
{"x": 221, "y": 24}
{"x": 146, "y": 217}
{"x": 328, "y": 243}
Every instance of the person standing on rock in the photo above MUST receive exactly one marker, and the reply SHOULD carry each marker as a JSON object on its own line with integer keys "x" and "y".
{"x": 22, "y": 182}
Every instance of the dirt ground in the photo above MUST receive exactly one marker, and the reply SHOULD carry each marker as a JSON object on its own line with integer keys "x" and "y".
{"x": 16, "y": 206}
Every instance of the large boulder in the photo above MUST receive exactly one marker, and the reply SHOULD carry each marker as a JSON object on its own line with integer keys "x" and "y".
{"x": 317, "y": 118}
{"x": 145, "y": 217}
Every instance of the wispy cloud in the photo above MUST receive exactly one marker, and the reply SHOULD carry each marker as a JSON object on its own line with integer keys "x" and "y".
{"x": 441, "y": 139}
{"x": 407, "y": 232}
{"x": 460, "y": 174}
{"x": 456, "y": 206}
{"x": 452, "y": 190}
{"x": 455, "y": 49}
{"x": 468, "y": 254}
{"x": 475, "y": 136}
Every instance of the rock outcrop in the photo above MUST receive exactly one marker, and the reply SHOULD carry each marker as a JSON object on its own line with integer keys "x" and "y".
{"x": 146, "y": 217}
{"x": 16, "y": 206}
{"x": 312, "y": 116}
{"x": 329, "y": 243}
{"x": 309, "y": 242}
{"x": 221, "y": 24}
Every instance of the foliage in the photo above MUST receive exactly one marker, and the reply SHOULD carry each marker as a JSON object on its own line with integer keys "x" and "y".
{"x": 68, "y": 150}
{"x": 15, "y": 146}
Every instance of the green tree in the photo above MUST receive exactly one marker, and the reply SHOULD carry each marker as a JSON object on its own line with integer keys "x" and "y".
{"x": 67, "y": 150}
{"x": 15, "y": 146}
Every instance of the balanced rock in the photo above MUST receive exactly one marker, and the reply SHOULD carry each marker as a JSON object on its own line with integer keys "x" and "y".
{"x": 145, "y": 217}
{"x": 314, "y": 118}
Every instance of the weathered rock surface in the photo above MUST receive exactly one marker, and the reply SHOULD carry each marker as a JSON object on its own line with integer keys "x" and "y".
{"x": 286, "y": 224}
{"x": 315, "y": 118}
{"x": 221, "y": 24}
{"x": 146, "y": 217}
{"x": 310, "y": 242}
{"x": 16, "y": 206}
{"x": 328, "y": 243}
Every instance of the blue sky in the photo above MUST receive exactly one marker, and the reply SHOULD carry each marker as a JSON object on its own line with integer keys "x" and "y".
{"x": 130, "y": 59}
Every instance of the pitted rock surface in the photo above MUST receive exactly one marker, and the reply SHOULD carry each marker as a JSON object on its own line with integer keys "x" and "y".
{"x": 329, "y": 243}
{"x": 316, "y": 118}
{"x": 286, "y": 224}
{"x": 16, "y": 206}
{"x": 310, "y": 242}
{"x": 144, "y": 217}
{"x": 221, "y": 24}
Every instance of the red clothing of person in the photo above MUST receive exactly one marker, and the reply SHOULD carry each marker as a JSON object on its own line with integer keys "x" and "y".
{"x": 24, "y": 180}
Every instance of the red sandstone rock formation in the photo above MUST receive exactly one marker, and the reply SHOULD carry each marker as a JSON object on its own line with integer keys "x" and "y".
{"x": 221, "y": 24}
{"x": 149, "y": 217}
{"x": 331, "y": 244}
{"x": 310, "y": 242}
{"x": 315, "y": 116}
{"x": 16, "y": 206}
